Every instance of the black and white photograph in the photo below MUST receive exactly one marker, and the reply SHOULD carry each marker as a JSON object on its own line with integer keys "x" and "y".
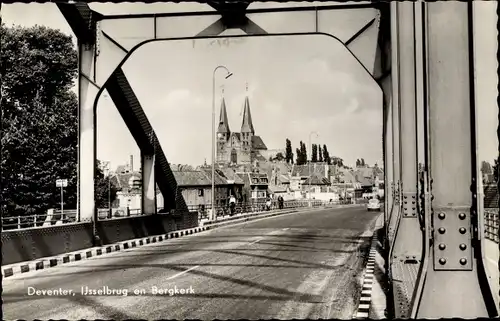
{"x": 230, "y": 160}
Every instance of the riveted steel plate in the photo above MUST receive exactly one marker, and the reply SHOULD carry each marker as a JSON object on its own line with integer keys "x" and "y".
{"x": 404, "y": 278}
{"x": 452, "y": 239}
{"x": 409, "y": 204}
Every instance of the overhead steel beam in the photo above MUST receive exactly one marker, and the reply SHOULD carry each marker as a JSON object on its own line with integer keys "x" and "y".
{"x": 247, "y": 11}
{"x": 130, "y": 109}
{"x": 359, "y": 32}
{"x": 82, "y": 20}
{"x": 214, "y": 29}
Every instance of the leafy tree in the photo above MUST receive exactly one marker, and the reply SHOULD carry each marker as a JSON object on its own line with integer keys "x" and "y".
{"x": 320, "y": 154}
{"x": 314, "y": 156}
{"x": 288, "y": 152}
{"x": 279, "y": 157}
{"x": 358, "y": 163}
{"x": 337, "y": 161}
{"x": 39, "y": 121}
{"x": 496, "y": 171}
{"x": 303, "y": 152}
{"x": 299, "y": 157}
{"x": 105, "y": 191}
{"x": 326, "y": 155}
{"x": 486, "y": 168}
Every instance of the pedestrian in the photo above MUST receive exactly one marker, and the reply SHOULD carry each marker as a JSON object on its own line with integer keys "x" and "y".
{"x": 268, "y": 203}
{"x": 232, "y": 204}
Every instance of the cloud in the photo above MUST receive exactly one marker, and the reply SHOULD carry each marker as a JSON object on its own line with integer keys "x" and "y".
{"x": 177, "y": 96}
{"x": 353, "y": 107}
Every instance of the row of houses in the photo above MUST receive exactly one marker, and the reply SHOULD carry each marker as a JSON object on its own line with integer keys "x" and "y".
{"x": 254, "y": 183}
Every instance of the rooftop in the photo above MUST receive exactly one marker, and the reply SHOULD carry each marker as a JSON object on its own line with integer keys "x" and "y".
{"x": 315, "y": 179}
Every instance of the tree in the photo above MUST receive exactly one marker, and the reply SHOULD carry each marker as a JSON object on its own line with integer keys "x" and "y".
{"x": 362, "y": 162}
{"x": 314, "y": 156}
{"x": 288, "y": 152}
{"x": 278, "y": 157}
{"x": 299, "y": 157}
{"x": 326, "y": 155}
{"x": 303, "y": 152}
{"x": 320, "y": 154}
{"x": 338, "y": 161}
{"x": 496, "y": 172}
{"x": 486, "y": 168}
{"x": 39, "y": 119}
{"x": 105, "y": 191}
{"x": 358, "y": 163}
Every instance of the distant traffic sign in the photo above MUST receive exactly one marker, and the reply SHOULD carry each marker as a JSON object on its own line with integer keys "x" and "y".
{"x": 61, "y": 182}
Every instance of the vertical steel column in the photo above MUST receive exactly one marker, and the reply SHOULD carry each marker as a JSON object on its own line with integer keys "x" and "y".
{"x": 393, "y": 219}
{"x": 452, "y": 287}
{"x": 86, "y": 133}
{"x": 407, "y": 246}
{"x": 423, "y": 198}
{"x": 386, "y": 85}
{"x": 148, "y": 184}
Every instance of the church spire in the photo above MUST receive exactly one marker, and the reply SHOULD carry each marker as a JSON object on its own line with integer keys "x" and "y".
{"x": 247, "y": 125}
{"x": 223, "y": 122}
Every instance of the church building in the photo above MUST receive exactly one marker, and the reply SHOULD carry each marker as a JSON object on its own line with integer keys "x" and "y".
{"x": 238, "y": 148}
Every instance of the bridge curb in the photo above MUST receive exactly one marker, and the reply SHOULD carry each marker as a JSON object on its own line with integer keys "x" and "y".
{"x": 49, "y": 262}
{"x": 365, "y": 301}
{"x": 368, "y": 278}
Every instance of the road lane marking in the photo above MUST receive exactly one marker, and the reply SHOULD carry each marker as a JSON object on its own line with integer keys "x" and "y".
{"x": 255, "y": 241}
{"x": 183, "y": 272}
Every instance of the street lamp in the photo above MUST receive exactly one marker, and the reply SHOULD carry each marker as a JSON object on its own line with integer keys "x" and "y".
{"x": 107, "y": 173}
{"x": 229, "y": 74}
{"x": 310, "y": 161}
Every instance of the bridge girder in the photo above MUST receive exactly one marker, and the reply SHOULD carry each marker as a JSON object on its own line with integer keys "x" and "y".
{"x": 102, "y": 54}
{"x": 432, "y": 285}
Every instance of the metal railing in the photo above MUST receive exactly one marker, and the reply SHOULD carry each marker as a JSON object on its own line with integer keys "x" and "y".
{"x": 55, "y": 217}
{"x": 255, "y": 207}
{"x": 491, "y": 224}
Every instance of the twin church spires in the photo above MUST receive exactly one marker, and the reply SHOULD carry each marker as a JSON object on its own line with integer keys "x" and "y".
{"x": 246, "y": 125}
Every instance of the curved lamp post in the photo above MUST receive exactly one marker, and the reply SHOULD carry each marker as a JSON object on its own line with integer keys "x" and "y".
{"x": 229, "y": 74}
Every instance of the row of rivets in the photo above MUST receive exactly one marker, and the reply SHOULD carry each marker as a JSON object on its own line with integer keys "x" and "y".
{"x": 462, "y": 246}
{"x": 442, "y": 230}
{"x": 462, "y": 261}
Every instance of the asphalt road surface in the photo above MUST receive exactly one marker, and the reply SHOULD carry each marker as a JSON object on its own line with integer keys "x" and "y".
{"x": 301, "y": 265}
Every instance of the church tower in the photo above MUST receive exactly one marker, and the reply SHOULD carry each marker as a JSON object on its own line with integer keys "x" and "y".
{"x": 247, "y": 130}
{"x": 223, "y": 132}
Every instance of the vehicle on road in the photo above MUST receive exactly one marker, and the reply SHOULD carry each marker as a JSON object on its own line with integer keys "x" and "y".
{"x": 373, "y": 205}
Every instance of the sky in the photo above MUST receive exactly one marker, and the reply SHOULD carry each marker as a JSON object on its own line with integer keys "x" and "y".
{"x": 295, "y": 85}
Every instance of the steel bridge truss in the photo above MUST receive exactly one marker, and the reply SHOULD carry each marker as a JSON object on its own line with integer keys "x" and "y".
{"x": 422, "y": 58}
